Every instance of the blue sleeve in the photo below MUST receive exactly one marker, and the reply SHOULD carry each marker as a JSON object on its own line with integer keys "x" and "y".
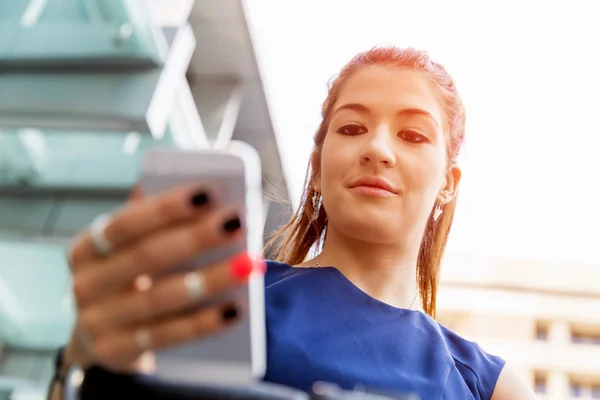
{"x": 479, "y": 369}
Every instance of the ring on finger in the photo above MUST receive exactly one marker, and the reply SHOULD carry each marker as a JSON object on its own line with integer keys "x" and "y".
{"x": 194, "y": 284}
{"x": 97, "y": 232}
{"x": 142, "y": 339}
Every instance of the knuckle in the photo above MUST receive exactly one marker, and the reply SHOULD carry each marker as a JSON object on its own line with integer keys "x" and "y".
{"x": 104, "y": 349}
{"x": 164, "y": 207}
{"x": 74, "y": 253}
{"x": 149, "y": 305}
{"x": 145, "y": 255}
{"x": 119, "y": 226}
{"x": 80, "y": 289}
{"x": 203, "y": 323}
{"x": 162, "y": 337}
{"x": 167, "y": 209}
{"x": 203, "y": 235}
{"x": 91, "y": 322}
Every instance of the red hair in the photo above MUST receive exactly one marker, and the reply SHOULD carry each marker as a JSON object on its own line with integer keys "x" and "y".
{"x": 292, "y": 243}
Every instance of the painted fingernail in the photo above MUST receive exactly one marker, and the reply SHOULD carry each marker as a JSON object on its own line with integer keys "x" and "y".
{"x": 242, "y": 266}
{"x": 232, "y": 225}
{"x": 199, "y": 199}
{"x": 229, "y": 313}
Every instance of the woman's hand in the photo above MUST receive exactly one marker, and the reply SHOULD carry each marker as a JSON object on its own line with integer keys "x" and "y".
{"x": 124, "y": 310}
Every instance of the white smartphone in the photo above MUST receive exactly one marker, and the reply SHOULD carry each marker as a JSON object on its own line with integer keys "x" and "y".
{"x": 237, "y": 356}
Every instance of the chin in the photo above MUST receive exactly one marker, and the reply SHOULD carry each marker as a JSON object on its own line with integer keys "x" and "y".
{"x": 369, "y": 227}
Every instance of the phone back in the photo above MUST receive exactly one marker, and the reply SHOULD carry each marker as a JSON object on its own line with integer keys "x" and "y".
{"x": 237, "y": 356}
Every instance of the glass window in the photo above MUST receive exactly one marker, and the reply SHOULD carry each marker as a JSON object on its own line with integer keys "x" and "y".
{"x": 576, "y": 338}
{"x": 586, "y": 338}
{"x": 97, "y": 30}
{"x": 541, "y": 332}
{"x": 540, "y": 384}
{"x": 595, "y": 391}
{"x": 576, "y": 390}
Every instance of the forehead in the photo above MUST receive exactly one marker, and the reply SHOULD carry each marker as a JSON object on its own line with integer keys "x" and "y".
{"x": 392, "y": 87}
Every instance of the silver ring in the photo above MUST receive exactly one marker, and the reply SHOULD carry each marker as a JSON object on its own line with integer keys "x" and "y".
{"x": 142, "y": 339}
{"x": 194, "y": 284}
{"x": 98, "y": 235}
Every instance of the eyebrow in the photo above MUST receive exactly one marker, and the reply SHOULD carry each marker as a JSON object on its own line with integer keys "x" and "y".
{"x": 361, "y": 108}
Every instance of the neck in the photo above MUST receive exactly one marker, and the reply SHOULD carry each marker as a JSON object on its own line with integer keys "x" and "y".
{"x": 387, "y": 272}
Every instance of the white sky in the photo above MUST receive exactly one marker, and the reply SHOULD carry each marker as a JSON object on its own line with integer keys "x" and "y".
{"x": 529, "y": 75}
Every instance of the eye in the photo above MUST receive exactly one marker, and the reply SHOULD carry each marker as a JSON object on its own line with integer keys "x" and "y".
{"x": 351, "y": 130}
{"x": 412, "y": 137}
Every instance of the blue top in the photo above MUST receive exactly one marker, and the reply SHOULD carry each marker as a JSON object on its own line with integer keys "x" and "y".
{"x": 321, "y": 327}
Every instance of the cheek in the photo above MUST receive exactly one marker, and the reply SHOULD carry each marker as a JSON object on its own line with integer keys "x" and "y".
{"x": 333, "y": 164}
{"x": 424, "y": 174}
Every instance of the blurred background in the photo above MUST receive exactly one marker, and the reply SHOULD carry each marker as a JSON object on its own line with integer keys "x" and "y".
{"x": 87, "y": 86}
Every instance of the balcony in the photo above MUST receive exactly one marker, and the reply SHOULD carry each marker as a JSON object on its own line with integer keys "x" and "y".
{"x": 568, "y": 358}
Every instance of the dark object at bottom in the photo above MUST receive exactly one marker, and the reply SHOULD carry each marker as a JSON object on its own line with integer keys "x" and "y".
{"x": 102, "y": 384}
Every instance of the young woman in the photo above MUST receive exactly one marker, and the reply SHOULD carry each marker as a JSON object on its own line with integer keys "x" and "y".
{"x": 378, "y": 203}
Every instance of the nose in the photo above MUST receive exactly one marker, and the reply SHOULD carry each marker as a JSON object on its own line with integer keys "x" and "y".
{"x": 378, "y": 149}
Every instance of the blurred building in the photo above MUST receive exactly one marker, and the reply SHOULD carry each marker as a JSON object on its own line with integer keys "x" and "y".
{"x": 542, "y": 317}
{"x": 86, "y": 87}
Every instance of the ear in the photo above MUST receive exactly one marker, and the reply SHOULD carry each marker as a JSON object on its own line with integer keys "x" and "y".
{"x": 315, "y": 166}
{"x": 450, "y": 188}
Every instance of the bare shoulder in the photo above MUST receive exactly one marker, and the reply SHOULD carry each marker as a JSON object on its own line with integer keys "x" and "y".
{"x": 511, "y": 386}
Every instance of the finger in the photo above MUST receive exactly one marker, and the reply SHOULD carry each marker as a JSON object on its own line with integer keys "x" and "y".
{"x": 157, "y": 254}
{"x": 169, "y": 295}
{"x": 136, "y": 194}
{"x": 142, "y": 217}
{"x": 124, "y": 346}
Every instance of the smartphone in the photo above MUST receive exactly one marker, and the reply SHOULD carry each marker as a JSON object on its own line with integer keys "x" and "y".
{"x": 233, "y": 175}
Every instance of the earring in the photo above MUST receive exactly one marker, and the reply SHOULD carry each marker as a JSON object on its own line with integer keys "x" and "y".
{"x": 437, "y": 212}
{"x": 316, "y": 205}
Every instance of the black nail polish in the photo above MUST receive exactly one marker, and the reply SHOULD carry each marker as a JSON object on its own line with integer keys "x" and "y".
{"x": 232, "y": 225}
{"x": 230, "y": 313}
{"x": 199, "y": 199}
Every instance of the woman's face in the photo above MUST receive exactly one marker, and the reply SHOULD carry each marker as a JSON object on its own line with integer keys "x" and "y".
{"x": 383, "y": 162}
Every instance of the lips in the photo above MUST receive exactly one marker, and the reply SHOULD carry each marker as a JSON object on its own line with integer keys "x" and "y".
{"x": 374, "y": 182}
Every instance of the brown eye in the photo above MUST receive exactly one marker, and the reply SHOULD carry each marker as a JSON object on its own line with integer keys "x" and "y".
{"x": 412, "y": 137}
{"x": 351, "y": 130}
